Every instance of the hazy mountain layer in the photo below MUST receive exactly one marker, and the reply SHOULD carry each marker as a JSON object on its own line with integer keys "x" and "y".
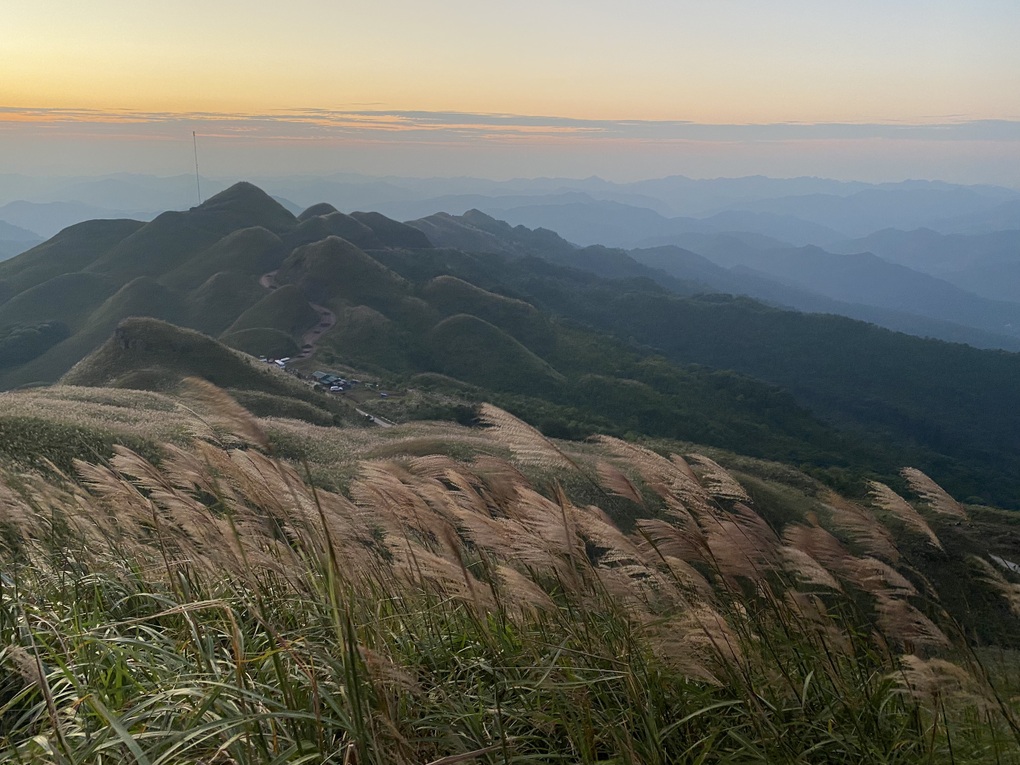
{"x": 572, "y": 350}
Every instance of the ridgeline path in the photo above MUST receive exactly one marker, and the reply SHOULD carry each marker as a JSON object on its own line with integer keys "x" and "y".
{"x": 310, "y": 338}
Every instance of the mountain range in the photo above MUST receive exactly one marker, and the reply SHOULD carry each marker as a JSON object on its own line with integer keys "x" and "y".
{"x": 468, "y": 308}
{"x": 953, "y": 286}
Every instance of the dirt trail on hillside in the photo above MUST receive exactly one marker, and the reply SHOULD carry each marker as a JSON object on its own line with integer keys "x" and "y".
{"x": 310, "y": 339}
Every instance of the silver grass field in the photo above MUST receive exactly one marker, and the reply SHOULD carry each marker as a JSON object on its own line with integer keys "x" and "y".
{"x": 525, "y": 601}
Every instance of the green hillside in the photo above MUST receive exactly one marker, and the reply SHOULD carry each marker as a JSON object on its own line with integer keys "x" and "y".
{"x": 365, "y": 338}
{"x": 140, "y": 297}
{"x": 149, "y": 354}
{"x": 144, "y": 343}
{"x": 334, "y": 269}
{"x": 217, "y": 303}
{"x": 572, "y": 350}
{"x": 67, "y": 298}
{"x": 471, "y": 349}
{"x": 262, "y": 341}
{"x": 391, "y": 233}
{"x": 521, "y": 320}
{"x": 250, "y": 251}
{"x": 285, "y": 309}
{"x": 73, "y": 249}
{"x": 330, "y": 222}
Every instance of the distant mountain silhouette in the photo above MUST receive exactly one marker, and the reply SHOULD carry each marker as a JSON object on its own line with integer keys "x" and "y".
{"x": 561, "y": 331}
{"x": 984, "y": 264}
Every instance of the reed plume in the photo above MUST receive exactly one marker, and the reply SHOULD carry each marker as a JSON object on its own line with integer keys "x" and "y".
{"x": 528, "y": 445}
{"x": 862, "y": 527}
{"x": 937, "y": 498}
{"x": 887, "y": 499}
{"x": 717, "y": 481}
{"x": 617, "y": 484}
{"x": 990, "y": 575}
{"x": 221, "y": 409}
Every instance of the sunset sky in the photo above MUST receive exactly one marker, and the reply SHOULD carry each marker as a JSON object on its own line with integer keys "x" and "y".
{"x": 872, "y": 90}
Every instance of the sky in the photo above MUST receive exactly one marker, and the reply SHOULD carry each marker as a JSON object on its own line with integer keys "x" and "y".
{"x": 869, "y": 90}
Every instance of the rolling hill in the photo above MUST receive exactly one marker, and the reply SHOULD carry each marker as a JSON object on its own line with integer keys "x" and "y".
{"x": 577, "y": 340}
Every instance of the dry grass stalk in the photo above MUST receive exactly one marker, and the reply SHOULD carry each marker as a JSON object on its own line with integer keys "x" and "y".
{"x": 810, "y": 616}
{"x": 276, "y": 508}
{"x": 672, "y": 479}
{"x": 616, "y": 483}
{"x": 877, "y": 577}
{"x": 522, "y": 591}
{"x": 385, "y": 673}
{"x": 120, "y": 510}
{"x": 638, "y": 590}
{"x": 741, "y": 543}
{"x": 935, "y": 496}
{"x": 699, "y": 643}
{"x": 897, "y": 619}
{"x": 16, "y": 511}
{"x": 223, "y": 410}
{"x": 905, "y": 625}
{"x": 428, "y": 571}
{"x": 528, "y": 445}
{"x": 625, "y": 567}
{"x": 26, "y": 665}
{"x": 937, "y": 681}
{"x": 717, "y": 481}
{"x": 684, "y": 467}
{"x": 655, "y": 470}
{"x": 862, "y": 527}
{"x": 381, "y": 490}
{"x": 199, "y": 469}
{"x": 594, "y": 525}
{"x": 685, "y": 543}
{"x": 689, "y": 579}
{"x": 499, "y": 481}
{"x": 991, "y": 576}
{"x": 819, "y": 544}
{"x": 806, "y": 569}
{"x": 893, "y": 503}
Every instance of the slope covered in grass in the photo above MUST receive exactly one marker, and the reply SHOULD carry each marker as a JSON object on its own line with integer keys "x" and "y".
{"x": 150, "y": 354}
{"x": 875, "y": 399}
{"x": 474, "y": 350}
{"x": 330, "y": 222}
{"x": 218, "y": 303}
{"x": 72, "y": 250}
{"x": 334, "y": 269}
{"x": 508, "y": 600}
{"x": 68, "y": 298}
{"x": 249, "y": 251}
{"x": 261, "y": 342}
{"x": 521, "y": 320}
{"x": 285, "y": 309}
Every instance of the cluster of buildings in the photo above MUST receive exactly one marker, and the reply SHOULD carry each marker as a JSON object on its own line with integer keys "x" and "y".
{"x": 334, "y": 383}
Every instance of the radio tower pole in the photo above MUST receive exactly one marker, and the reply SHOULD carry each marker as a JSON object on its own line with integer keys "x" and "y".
{"x": 198, "y": 183}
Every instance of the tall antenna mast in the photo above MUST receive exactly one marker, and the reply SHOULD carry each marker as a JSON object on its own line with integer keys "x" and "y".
{"x": 198, "y": 183}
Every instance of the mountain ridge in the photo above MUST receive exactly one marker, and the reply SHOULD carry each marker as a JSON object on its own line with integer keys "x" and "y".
{"x": 593, "y": 351}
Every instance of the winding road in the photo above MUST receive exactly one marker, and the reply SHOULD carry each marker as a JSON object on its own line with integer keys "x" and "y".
{"x": 310, "y": 338}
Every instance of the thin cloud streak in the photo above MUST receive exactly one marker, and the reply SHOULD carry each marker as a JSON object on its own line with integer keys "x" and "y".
{"x": 374, "y": 141}
{"x": 390, "y": 125}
